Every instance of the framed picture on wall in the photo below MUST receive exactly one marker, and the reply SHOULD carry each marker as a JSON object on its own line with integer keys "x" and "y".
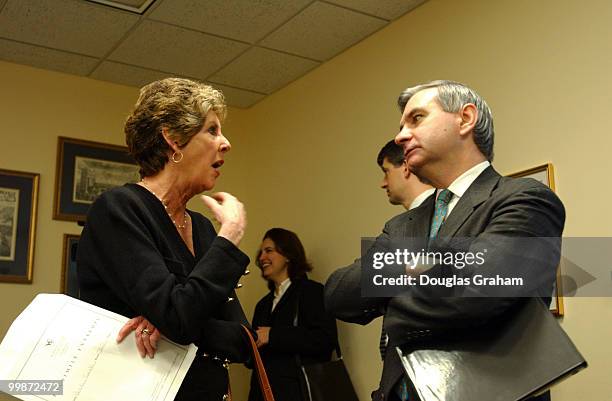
{"x": 18, "y": 206}
{"x": 546, "y": 175}
{"x": 84, "y": 170}
{"x": 69, "y": 284}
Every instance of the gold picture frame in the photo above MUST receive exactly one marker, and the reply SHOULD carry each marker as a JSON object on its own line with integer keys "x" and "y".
{"x": 84, "y": 169}
{"x": 18, "y": 208}
{"x": 69, "y": 284}
{"x": 545, "y": 174}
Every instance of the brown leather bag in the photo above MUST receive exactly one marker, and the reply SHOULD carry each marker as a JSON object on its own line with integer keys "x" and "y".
{"x": 260, "y": 371}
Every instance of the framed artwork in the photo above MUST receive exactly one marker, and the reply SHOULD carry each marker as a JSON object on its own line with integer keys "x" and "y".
{"x": 84, "y": 170}
{"x": 69, "y": 284}
{"x": 18, "y": 205}
{"x": 546, "y": 175}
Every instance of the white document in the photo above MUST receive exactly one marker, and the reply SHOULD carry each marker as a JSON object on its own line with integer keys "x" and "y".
{"x": 58, "y": 337}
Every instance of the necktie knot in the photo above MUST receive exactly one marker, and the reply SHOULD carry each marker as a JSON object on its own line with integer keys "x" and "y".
{"x": 444, "y": 197}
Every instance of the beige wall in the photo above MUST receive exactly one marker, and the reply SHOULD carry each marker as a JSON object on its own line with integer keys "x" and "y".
{"x": 304, "y": 158}
{"x": 36, "y": 107}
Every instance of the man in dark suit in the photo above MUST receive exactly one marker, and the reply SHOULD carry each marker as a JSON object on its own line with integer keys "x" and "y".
{"x": 403, "y": 188}
{"x": 447, "y": 136}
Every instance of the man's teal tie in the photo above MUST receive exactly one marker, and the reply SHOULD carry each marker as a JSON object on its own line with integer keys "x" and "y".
{"x": 440, "y": 212}
{"x": 442, "y": 202}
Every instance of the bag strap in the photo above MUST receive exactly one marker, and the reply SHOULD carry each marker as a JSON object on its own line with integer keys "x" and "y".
{"x": 260, "y": 370}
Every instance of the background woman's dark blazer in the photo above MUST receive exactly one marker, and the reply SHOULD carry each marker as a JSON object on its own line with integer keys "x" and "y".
{"x": 314, "y": 339}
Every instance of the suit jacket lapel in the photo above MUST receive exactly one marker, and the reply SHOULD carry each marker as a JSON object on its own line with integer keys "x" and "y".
{"x": 286, "y": 296}
{"x": 420, "y": 219}
{"x": 476, "y": 194}
{"x": 265, "y": 315}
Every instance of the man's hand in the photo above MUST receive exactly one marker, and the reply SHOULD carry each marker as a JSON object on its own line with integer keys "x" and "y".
{"x": 146, "y": 335}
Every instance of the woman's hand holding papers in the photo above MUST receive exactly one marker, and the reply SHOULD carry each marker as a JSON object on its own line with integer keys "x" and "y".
{"x": 146, "y": 335}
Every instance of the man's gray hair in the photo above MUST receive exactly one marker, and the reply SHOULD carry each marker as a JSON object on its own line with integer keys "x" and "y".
{"x": 452, "y": 96}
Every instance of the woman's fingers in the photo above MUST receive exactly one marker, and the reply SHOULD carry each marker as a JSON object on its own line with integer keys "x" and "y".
{"x": 153, "y": 338}
{"x": 141, "y": 337}
{"x": 146, "y": 335}
{"x": 210, "y": 203}
{"x": 128, "y": 327}
{"x": 146, "y": 341}
{"x": 225, "y": 207}
{"x": 230, "y": 213}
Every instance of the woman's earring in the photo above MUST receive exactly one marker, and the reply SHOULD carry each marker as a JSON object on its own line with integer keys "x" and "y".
{"x": 175, "y": 158}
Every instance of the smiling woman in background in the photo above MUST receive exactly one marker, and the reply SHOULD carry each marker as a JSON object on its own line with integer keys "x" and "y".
{"x": 143, "y": 254}
{"x": 291, "y": 320}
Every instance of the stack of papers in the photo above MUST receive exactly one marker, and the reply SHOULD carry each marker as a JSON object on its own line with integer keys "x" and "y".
{"x": 61, "y": 338}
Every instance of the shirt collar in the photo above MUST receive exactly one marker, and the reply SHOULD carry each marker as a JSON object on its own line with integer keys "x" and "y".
{"x": 282, "y": 287}
{"x": 421, "y": 198}
{"x": 463, "y": 182}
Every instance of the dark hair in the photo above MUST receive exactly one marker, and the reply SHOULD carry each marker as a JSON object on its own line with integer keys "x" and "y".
{"x": 392, "y": 152}
{"x": 289, "y": 245}
{"x": 177, "y": 104}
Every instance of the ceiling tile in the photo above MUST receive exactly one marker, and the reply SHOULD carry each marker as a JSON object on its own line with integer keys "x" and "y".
{"x": 126, "y": 74}
{"x": 49, "y": 59}
{"x": 134, "y": 6}
{"x": 176, "y": 50}
{"x": 263, "y": 70}
{"x": 129, "y": 3}
{"x": 321, "y": 31}
{"x": 238, "y": 97}
{"x": 246, "y": 20}
{"x": 387, "y": 9}
{"x": 138, "y": 77}
{"x": 79, "y": 27}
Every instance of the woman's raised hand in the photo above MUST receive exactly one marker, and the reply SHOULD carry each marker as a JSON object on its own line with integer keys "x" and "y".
{"x": 230, "y": 213}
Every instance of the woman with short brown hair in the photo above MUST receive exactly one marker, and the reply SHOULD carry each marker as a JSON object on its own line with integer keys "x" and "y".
{"x": 143, "y": 254}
